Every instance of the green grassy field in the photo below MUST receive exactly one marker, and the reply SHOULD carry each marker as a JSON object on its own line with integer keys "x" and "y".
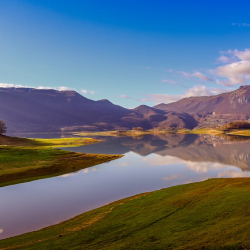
{"x": 23, "y": 160}
{"x": 213, "y": 214}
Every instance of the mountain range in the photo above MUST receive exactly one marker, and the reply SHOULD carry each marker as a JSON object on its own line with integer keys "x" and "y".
{"x": 47, "y": 110}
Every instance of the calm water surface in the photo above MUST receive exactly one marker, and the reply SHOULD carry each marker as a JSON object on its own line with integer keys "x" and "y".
{"x": 150, "y": 163}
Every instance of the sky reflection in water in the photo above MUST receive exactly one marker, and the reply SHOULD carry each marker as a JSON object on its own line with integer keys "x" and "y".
{"x": 150, "y": 163}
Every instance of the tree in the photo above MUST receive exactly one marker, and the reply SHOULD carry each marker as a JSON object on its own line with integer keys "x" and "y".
{"x": 236, "y": 125}
{"x": 3, "y": 127}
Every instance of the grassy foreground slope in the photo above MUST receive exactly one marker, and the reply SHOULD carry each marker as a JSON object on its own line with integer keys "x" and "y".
{"x": 24, "y": 159}
{"x": 213, "y": 214}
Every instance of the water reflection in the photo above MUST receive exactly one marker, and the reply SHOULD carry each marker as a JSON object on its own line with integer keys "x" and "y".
{"x": 224, "y": 149}
{"x": 150, "y": 163}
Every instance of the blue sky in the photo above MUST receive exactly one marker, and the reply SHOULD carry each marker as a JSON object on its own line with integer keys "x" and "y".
{"x": 130, "y": 52}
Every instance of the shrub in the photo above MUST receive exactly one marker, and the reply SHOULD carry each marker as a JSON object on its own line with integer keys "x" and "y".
{"x": 138, "y": 128}
{"x": 236, "y": 125}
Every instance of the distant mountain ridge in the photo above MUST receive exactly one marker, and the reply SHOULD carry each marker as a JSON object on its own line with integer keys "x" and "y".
{"x": 47, "y": 110}
{"x": 30, "y": 110}
{"x": 212, "y": 111}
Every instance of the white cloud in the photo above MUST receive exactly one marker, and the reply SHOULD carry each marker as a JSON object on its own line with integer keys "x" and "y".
{"x": 9, "y": 85}
{"x": 42, "y": 87}
{"x": 194, "y": 91}
{"x": 235, "y": 72}
{"x": 1, "y": 230}
{"x": 84, "y": 91}
{"x": 243, "y": 55}
{"x": 63, "y": 88}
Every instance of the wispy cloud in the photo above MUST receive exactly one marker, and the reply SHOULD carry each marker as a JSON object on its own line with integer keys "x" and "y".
{"x": 194, "y": 91}
{"x": 125, "y": 96}
{"x": 172, "y": 177}
{"x": 241, "y": 24}
{"x": 125, "y": 164}
{"x": 170, "y": 81}
{"x": 195, "y": 74}
{"x": 84, "y": 91}
{"x": 10, "y": 85}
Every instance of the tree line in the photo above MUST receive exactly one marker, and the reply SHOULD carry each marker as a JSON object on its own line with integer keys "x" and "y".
{"x": 236, "y": 125}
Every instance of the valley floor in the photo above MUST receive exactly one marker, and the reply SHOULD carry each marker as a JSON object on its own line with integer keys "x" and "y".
{"x": 213, "y": 214}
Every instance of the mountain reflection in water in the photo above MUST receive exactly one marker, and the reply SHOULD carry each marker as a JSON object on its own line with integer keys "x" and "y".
{"x": 151, "y": 162}
{"x": 224, "y": 149}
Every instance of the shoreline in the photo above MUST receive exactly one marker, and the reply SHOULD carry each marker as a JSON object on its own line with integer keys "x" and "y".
{"x": 186, "y": 216}
{"x": 24, "y": 160}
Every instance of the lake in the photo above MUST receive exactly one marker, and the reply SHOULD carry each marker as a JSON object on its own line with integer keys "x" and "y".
{"x": 151, "y": 162}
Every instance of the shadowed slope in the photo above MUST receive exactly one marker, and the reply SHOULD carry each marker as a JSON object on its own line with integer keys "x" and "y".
{"x": 26, "y": 109}
{"x": 37, "y": 110}
{"x": 164, "y": 119}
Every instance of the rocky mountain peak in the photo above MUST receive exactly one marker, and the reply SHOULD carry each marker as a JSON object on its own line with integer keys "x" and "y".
{"x": 240, "y": 95}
